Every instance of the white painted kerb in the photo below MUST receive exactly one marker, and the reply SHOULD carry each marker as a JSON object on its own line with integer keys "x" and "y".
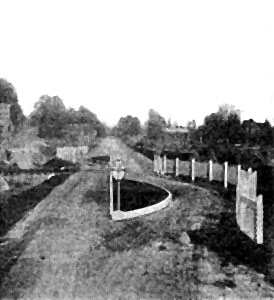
{"x": 123, "y": 215}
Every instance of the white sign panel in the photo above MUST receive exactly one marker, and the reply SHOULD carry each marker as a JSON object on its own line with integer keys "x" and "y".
{"x": 118, "y": 175}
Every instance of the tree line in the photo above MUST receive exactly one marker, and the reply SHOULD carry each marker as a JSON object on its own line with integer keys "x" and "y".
{"x": 222, "y": 136}
{"x": 51, "y": 117}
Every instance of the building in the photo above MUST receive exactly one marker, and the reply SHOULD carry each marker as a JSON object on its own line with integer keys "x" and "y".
{"x": 251, "y": 127}
{"x": 179, "y": 132}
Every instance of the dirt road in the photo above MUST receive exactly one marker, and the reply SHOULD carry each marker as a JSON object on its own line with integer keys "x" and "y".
{"x": 73, "y": 250}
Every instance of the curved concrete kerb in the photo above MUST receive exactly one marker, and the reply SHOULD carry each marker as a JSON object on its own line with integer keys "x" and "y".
{"x": 122, "y": 215}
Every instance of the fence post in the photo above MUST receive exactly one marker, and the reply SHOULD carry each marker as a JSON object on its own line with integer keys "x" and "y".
{"x": 259, "y": 220}
{"x": 111, "y": 193}
{"x": 193, "y": 169}
{"x": 177, "y": 166}
{"x": 225, "y": 175}
{"x": 238, "y": 196}
{"x": 155, "y": 164}
{"x": 239, "y": 173}
{"x": 210, "y": 171}
{"x": 160, "y": 161}
{"x": 164, "y": 164}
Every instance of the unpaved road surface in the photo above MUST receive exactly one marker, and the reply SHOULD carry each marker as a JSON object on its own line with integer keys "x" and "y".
{"x": 73, "y": 250}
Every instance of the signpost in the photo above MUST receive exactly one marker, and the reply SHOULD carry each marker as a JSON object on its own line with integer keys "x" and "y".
{"x": 118, "y": 173}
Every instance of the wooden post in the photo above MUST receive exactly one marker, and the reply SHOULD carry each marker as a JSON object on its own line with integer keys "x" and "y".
{"x": 118, "y": 196}
{"x": 239, "y": 173}
{"x": 160, "y": 165}
{"x": 225, "y": 175}
{"x": 177, "y": 166}
{"x": 155, "y": 164}
{"x": 210, "y": 171}
{"x": 111, "y": 193}
{"x": 238, "y": 196}
{"x": 193, "y": 169}
{"x": 164, "y": 164}
{"x": 259, "y": 220}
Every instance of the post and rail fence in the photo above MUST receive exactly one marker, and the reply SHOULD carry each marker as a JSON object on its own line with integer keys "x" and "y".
{"x": 249, "y": 206}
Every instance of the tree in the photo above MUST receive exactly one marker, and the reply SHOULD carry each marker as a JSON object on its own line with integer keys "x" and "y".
{"x": 221, "y": 131}
{"x": 266, "y": 135}
{"x": 7, "y": 92}
{"x": 226, "y": 110}
{"x": 128, "y": 126}
{"x": 155, "y": 126}
{"x": 191, "y": 124}
{"x": 8, "y": 95}
{"x": 169, "y": 123}
{"x": 50, "y": 116}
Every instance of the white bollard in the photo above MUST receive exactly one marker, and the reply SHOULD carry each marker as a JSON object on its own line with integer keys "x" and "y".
{"x": 177, "y": 166}
{"x": 210, "y": 171}
{"x": 193, "y": 169}
{"x": 225, "y": 174}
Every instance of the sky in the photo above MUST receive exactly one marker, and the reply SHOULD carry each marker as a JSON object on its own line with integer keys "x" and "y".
{"x": 117, "y": 58}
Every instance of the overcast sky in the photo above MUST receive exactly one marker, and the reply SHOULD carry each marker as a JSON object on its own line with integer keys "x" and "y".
{"x": 181, "y": 58}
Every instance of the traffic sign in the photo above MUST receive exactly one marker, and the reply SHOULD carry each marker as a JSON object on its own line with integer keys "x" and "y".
{"x": 118, "y": 175}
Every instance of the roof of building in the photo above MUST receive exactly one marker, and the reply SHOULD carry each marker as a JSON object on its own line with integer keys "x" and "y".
{"x": 177, "y": 129}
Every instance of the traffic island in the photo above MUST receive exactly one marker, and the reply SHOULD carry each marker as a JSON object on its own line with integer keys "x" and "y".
{"x": 138, "y": 199}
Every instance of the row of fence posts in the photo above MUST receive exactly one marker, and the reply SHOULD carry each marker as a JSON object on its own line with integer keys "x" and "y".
{"x": 249, "y": 207}
{"x": 177, "y": 161}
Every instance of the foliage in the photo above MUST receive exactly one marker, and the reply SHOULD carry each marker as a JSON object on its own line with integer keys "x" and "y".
{"x": 155, "y": 126}
{"x": 8, "y": 95}
{"x": 226, "y": 110}
{"x": 128, "y": 126}
{"x": 55, "y": 121}
{"x": 191, "y": 124}
{"x": 48, "y": 115}
{"x": 221, "y": 131}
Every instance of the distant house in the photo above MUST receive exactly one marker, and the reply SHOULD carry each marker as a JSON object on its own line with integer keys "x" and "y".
{"x": 252, "y": 127}
{"x": 179, "y": 132}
